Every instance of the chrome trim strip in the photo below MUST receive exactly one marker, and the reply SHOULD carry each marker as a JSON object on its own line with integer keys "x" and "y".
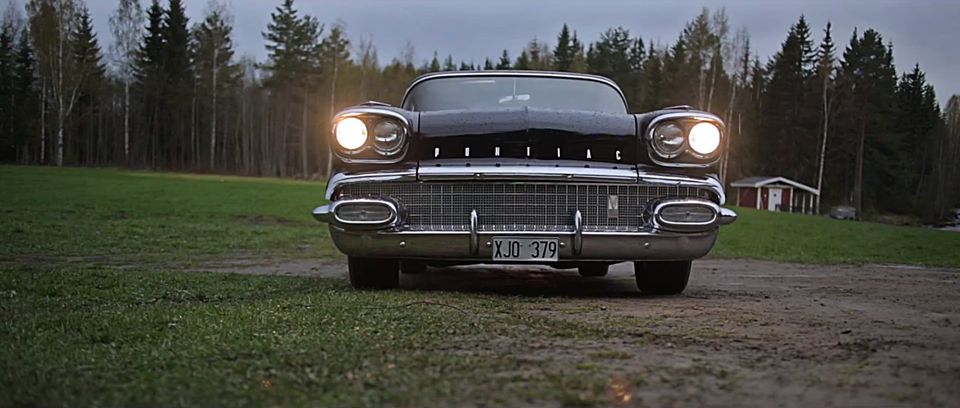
{"x": 534, "y": 74}
{"x": 527, "y": 173}
{"x": 661, "y": 223}
{"x": 577, "y": 232}
{"x": 523, "y": 173}
{"x": 360, "y": 111}
{"x": 709, "y": 181}
{"x": 367, "y": 177}
{"x": 337, "y": 204}
{"x": 702, "y": 116}
{"x": 474, "y": 234}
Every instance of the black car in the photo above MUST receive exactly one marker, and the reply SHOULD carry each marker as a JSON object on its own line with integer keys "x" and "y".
{"x": 523, "y": 167}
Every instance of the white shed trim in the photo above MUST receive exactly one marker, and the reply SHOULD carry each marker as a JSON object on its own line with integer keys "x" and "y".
{"x": 757, "y": 182}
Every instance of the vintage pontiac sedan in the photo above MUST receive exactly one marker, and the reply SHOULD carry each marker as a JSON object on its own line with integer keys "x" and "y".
{"x": 509, "y": 167}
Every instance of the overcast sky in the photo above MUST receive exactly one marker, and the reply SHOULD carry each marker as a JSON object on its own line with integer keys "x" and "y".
{"x": 922, "y": 31}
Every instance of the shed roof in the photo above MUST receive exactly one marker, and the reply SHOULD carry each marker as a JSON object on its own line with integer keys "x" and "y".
{"x": 760, "y": 181}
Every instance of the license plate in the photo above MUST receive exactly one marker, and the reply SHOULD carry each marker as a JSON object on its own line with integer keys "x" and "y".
{"x": 525, "y": 249}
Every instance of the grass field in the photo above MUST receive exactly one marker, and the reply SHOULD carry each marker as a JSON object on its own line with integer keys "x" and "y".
{"x": 96, "y": 307}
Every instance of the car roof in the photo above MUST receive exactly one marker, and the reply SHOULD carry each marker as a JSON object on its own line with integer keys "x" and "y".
{"x": 522, "y": 73}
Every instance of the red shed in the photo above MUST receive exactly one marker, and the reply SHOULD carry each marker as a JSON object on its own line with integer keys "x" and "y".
{"x": 776, "y": 194}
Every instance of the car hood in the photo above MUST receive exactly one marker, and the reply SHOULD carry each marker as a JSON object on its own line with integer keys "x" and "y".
{"x": 527, "y": 133}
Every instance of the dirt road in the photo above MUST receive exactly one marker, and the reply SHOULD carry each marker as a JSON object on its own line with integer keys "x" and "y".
{"x": 749, "y": 332}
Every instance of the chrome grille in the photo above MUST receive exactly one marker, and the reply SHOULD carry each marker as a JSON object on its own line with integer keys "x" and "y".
{"x": 500, "y": 206}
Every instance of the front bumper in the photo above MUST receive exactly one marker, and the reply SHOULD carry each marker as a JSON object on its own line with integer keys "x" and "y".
{"x": 655, "y": 241}
{"x": 477, "y": 246}
{"x": 460, "y": 246}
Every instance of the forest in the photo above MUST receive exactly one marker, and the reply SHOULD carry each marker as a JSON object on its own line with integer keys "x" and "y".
{"x": 169, "y": 93}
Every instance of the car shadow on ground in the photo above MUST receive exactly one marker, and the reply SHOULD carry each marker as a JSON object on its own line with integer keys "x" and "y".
{"x": 524, "y": 281}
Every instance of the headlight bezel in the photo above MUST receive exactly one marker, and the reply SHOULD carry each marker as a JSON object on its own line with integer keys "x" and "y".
{"x": 687, "y": 157}
{"x": 369, "y": 151}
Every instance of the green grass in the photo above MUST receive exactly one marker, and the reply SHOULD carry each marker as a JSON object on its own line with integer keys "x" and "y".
{"x": 84, "y": 212}
{"x": 95, "y": 308}
{"x": 808, "y": 239}
{"x": 87, "y": 336}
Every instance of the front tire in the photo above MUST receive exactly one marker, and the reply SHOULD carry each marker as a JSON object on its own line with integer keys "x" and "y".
{"x": 366, "y": 273}
{"x": 412, "y": 267}
{"x": 662, "y": 277}
{"x": 593, "y": 270}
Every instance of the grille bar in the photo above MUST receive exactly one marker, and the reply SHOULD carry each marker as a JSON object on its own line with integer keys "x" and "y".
{"x": 505, "y": 206}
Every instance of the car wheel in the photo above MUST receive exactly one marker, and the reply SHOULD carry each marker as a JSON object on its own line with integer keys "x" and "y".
{"x": 412, "y": 267}
{"x": 593, "y": 270}
{"x": 662, "y": 277}
{"x": 366, "y": 273}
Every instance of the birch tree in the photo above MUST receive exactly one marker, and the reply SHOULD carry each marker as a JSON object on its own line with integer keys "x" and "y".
{"x": 215, "y": 67}
{"x": 736, "y": 55}
{"x": 126, "y": 24}
{"x": 825, "y": 70}
{"x": 51, "y": 22}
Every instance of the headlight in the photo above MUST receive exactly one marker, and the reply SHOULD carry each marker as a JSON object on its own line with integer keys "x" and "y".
{"x": 668, "y": 140}
{"x": 351, "y": 133}
{"x": 704, "y": 138}
{"x": 388, "y": 137}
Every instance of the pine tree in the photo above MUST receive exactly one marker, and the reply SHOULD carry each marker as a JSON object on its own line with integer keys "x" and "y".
{"x": 291, "y": 42}
{"x": 538, "y": 54}
{"x": 950, "y": 142}
{"x": 917, "y": 120}
{"x": 87, "y": 143}
{"x": 149, "y": 57}
{"x": 652, "y": 83}
{"x": 611, "y": 55}
{"x": 448, "y": 64}
{"x": 178, "y": 77}
{"x": 434, "y": 64}
{"x": 867, "y": 82}
{"x": 523, "y": 61}
{"x": 27, "y": 99}
{"x": 504, "y": 62}
{"x": 677, "y": 75}
{"x": 487, "y": 64}
{"x": 563, "y": 53}
{"x": 150, "y": 84}
{"x": 7, "y": 94}
{"x": 293, "y": 52}
{"x": 579, "y": 63}
{"x": 790, "y": 108}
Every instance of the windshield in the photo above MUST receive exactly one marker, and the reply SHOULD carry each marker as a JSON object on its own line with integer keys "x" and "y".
{"x": 488, "y": 92}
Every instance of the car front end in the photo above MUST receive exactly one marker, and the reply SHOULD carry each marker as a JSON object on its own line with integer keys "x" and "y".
{"x": 522, "y": 184}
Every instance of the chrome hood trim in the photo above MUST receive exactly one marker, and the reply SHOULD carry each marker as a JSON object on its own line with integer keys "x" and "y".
{"x": 542, "y": 173}
{"x": 523, "y": 173}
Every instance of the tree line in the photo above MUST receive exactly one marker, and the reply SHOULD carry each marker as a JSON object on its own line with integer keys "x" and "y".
{"x": 172, "y": 94}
